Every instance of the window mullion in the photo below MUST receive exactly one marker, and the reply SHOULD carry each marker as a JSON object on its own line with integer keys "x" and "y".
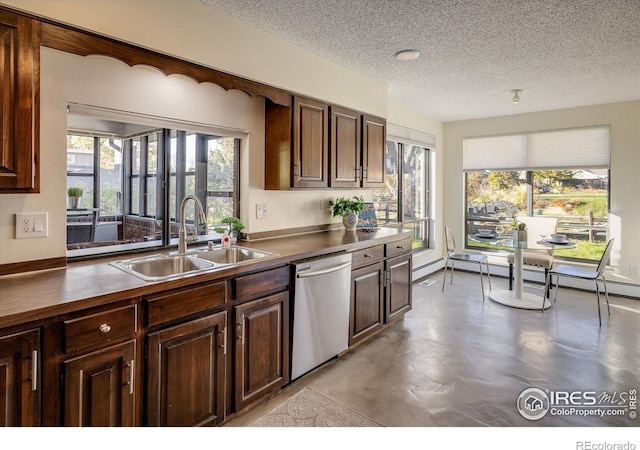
{"x": 144, "y": 153}
{"x": 96, "y": 172}
{"x": 162, "y": 184}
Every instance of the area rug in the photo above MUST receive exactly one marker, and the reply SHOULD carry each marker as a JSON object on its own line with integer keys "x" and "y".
{"x": 309, "y": 408}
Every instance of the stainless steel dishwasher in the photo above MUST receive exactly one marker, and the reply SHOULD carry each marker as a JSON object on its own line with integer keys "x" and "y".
{"x": 322, "y": 295}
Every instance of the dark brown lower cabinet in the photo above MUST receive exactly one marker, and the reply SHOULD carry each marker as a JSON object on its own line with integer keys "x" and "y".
{"x": 398, "y": 286}
{"x": 261, "y": 349}
{"x": 186, "y": 373}
{"x": 100, "y": 387}
{"x": 367, "y": 302}
{"x": 20, "y": 379}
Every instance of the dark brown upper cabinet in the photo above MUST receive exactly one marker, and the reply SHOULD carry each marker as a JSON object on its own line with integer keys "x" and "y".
{"x": 346, "y": 160}
{"x": 316, "y": 145}
{"x": 310, "y": 143}
{"x": 19, "y": 103}
{"x": 374, "y": 132}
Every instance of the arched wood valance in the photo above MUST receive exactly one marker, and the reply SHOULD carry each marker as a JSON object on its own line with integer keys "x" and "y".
{"x": 84, "y": 43}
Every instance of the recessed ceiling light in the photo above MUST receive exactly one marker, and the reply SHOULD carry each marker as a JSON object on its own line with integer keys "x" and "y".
{"x": 407, "y": 55}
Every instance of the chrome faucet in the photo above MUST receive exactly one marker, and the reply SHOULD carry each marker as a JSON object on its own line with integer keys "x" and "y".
{"x": 182, "y": 235}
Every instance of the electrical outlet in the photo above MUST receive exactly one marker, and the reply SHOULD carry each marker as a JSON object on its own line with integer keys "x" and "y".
{"x": 633, "y": 269}
{"x": 32, "y": 225}
{"x": 262, "y": 212}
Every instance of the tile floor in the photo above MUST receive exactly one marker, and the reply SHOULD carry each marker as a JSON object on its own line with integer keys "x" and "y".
{"x": 456, "y": 361}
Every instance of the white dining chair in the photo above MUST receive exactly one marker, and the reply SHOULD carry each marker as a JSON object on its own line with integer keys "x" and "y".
{"x": 453, "y": 256}
{"x": 585, "y": 274}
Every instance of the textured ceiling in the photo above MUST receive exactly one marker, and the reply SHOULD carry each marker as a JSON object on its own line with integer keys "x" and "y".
{"x": 561, "y": 53}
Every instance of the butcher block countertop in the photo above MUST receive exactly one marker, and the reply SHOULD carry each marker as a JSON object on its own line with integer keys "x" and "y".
{"x": 41, "y": 294}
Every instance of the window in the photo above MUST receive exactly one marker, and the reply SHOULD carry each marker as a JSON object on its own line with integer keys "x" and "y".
{"x": 405, "y": 200}
{"x": 141, "y": 180}
{"x": 561, "y": 174}
{"x": 102, "y": 187}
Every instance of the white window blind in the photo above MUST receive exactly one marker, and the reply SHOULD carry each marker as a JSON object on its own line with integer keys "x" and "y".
{"x": 569, "y": 148}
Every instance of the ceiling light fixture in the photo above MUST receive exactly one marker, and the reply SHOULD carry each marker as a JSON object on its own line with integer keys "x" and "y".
{"x": 516, "y": 96}
{"x": 407, "y": 55}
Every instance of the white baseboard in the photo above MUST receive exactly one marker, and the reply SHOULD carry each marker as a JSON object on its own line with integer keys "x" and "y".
{"x": 531, "y": 275}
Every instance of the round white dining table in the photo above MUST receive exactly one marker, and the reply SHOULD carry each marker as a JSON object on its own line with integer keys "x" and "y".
{"x": 517, "y": 298}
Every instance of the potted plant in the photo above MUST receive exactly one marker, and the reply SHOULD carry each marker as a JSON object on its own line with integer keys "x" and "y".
{"x": 233, "y": 227}
{"x": 348, "y": 208}
{"x": 519, "y": 232}
{"x": 75, "y": 195}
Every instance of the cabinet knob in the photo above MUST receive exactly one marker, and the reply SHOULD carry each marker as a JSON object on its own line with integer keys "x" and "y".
{"x": 368, "y": 256}
{"x": 104, "y": 328}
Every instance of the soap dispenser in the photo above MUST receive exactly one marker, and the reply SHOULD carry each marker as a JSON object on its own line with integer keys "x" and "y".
{"x": 226, "y": 241}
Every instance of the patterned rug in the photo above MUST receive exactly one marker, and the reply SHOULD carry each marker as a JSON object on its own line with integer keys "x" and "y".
{"x": 309, "y": 408}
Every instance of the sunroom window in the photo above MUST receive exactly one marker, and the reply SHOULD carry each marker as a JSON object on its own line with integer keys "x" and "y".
{"x": 135, "y": 177}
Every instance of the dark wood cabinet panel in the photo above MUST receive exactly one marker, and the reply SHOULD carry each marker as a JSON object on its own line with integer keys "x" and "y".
{"x": 186, "y": 373}
{"x": 19, "y": 103}
{"x": 20, "y": 381}
{"x": 345, "y": 148}
{"x": 310, "y": 143}
{"x": 100, "y": 388}
{"x": 367, "y": 302}
{"x": 262, "y": 347}
{"x": 374, "y": 132}
{"x": 100, "y": 328}
{"x": 398, "y": 286}
{"x": 248, "y": 287}
{"x": 181, "y": 304}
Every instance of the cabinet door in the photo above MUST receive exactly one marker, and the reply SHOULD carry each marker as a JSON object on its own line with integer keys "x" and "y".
{"x": 345, "y": 148}
{"x": 398, "y": 291}
{"x": 20, "y": 379}
{"x": 374, "y": 135}
{"x": 186, "y": 373}
{"x": 19, "y": 103}
{"x": 100, "y": 388}
{"x": 367, "y": 302}
{"x": 310, "y": 143}
{"x": 262, "y": 347}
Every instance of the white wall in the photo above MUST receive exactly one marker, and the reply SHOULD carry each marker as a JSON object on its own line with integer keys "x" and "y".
{"x": 624, "y": 119}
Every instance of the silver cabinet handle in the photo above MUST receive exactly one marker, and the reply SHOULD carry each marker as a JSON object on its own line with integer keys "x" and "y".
{"x": 104, "y": 328}
{"x": 368, "y": 256}
{"x": 34, "y": 370}
{"x": 132, "y": 376}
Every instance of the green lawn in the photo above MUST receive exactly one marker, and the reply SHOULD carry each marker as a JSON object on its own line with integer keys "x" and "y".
{"x": 580, "y": 203}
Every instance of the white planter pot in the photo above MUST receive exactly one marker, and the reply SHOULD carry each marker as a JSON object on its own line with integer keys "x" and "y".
{"x": 350, "y": 221}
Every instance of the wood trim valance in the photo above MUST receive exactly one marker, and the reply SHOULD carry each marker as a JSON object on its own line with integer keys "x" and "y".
{"x": 84, "y": 43}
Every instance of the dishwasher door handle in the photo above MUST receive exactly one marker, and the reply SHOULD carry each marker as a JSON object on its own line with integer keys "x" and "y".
{"x": 323, "y": 271}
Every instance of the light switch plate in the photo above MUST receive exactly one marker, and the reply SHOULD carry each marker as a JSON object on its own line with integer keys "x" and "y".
{"x": 262, "y": 211}
{"x": 32, "y": 225}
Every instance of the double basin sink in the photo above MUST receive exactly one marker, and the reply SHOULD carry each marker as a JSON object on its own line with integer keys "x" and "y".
{"x": 167, "y": 266}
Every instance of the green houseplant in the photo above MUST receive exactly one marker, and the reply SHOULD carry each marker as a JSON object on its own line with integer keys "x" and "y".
{"x": 348, "y": 208}
{"x": 233, "y": 227}
{"x": 74, "y": 194}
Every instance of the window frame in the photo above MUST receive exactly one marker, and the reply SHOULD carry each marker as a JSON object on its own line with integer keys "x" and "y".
{"x": 403, "y": 146}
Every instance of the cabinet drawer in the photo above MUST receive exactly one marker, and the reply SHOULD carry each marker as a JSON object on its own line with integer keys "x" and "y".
{"x": 101, "y": 328}
{"x": 397, "y": 248}
{"x": 183, "y": 303}
{"x": 261, "y": 283}
{"x": 367, "y": 256}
